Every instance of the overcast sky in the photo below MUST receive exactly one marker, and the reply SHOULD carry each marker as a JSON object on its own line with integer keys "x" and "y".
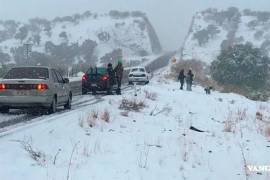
{"x": 171, "y": 18}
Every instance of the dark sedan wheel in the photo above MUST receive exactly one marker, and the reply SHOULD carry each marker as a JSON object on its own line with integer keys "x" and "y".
{"x": 4, "y": 110}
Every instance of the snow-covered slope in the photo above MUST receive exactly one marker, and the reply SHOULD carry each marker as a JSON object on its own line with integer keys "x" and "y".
{"x": 153, "y": 143}
{"x": 86, "y": 37}
{"x": 213, "y": 30}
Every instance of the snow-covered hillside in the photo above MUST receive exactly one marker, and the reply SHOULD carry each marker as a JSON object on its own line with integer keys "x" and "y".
{"x": 87, "y": 37}
{"x": 213, "y": 30}
{"x": 155, "y": 142}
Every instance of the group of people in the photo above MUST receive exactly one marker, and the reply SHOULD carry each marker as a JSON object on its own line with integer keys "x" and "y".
{"x": 189, "y": 78}
{"x": 115, "y": 74}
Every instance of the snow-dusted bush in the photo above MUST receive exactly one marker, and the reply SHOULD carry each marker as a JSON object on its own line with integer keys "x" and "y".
{"x": 105, "y": 116}
{"x": 242, "y": 66}
{"x": 35, "y": 154}
{"x": 150, "y": 95}
{"x": 94, "y": 117}
{"x": 132, "y": 105}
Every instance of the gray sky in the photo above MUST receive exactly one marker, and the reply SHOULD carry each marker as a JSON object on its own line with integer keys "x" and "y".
{"x": 171, "y": 18}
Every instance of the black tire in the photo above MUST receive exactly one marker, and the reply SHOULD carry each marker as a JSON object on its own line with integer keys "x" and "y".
{"x": 4, "y": 110}
{"x": 53, "y": 106}
{"x": 130, "y": 82}
{"x": 94, "y": 92}
{"x": 68, "y": 104}
{"x": 84, "y": 91}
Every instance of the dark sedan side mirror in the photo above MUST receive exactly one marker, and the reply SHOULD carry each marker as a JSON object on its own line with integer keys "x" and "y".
{"x": 66, "y": 80}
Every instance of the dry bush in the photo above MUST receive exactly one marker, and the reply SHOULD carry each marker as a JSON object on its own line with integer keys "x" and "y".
{"x": 36, "y": 155}
{"x": 241, "y": 114}
{"x": 105, "y": 116}
{"x": 81, "y": 122}
{"x": 92, "y": 119}
{"x": 132, "y": 105}
{"x": 150, "y": 95}
{"x": 199, "y": 68}
{"x": 267, "y": 131}
{"x": 228, "y": 126}
{"x": 125, "y": 113}
{"x": 259, "y": 116}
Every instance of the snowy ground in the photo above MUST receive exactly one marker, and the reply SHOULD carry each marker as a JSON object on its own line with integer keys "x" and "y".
{"x": 154, "y": 143}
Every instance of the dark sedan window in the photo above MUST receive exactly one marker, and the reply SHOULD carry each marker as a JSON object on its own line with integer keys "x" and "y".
{"x": 98, "y": 71}
{"x": 27, "y": 73}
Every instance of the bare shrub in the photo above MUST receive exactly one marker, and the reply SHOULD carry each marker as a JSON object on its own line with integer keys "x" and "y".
{"x": 81, "y": 122}
{"x": 259, "y": 116}
{"x": 150, "y": 95}
{"x": 241, "y": 114}
{"x": 105, "y": 116}
{"x": 267, "y": 131}
{"x": 35, "y": 154}
{"x": 125, "y": 113}
{"x": 228, "y": 126}
{"x": 132, "y": 105}
{"x": 92, "y": 118}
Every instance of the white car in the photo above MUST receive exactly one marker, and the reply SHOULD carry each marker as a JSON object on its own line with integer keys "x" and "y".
{"x": 139, "y": 75}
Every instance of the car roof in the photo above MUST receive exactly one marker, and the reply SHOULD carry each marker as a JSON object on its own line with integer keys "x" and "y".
{"x": 138, "y": 67}
{"x": 46, "y": 67}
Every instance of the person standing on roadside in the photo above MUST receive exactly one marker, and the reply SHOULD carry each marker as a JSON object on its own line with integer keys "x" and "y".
{"x": 181, "y": 78}
{"x": 119, "y": 70}
{"x": 111, "y": 75}
{"x": 189, "y": 80}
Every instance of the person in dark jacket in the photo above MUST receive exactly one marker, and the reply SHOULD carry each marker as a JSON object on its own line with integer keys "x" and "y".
{"x": 119, "y": 75}
{"x": 189, "y": 80}
{"x": 111, "y": 75}
{"x": 181, "y": 78}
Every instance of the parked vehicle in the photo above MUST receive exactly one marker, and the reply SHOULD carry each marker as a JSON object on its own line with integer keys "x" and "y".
{"x": 94, "y": 80}
{"x": 139, "y": 75}
{"x": 31, "y": 87}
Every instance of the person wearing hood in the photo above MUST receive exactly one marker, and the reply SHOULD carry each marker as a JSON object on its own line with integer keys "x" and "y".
{"x": 181, "y": 78}
{"x": 111, "y": 75}
{"x": 119, "y": 70}
{"x": 189, "y": 80}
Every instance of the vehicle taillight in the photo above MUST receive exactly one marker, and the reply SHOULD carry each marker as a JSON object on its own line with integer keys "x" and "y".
{"x": 84, "y": 78}
{"x": 104, "y": 78}
{"x": 2, "y": 86}
{"x": 42, "y": 87}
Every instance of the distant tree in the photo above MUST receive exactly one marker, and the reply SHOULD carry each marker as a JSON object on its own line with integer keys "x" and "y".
{"x": 241, "y": 65}
{"x": 202, "y": 36}
{"x": 212, "y": 30}
{"x": 87, "y": 14}
{"x": 266, "y": 45}
{"x": 118, "y": 15}
{"x": 22, "y": 34}
{"x": 4, "y": 58}
{"x": 258, "y": 35}
{"x": 263, "y": 16}
{"x": 112, "y": 57}
{"x": 37, "y": 39}
{"x": 252, "y": 24}
{"x": 104, "y": 36}
{"x": 87, "y": 51}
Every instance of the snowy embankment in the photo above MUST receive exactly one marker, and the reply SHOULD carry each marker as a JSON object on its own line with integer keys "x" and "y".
{"x": 104, "y": 142}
